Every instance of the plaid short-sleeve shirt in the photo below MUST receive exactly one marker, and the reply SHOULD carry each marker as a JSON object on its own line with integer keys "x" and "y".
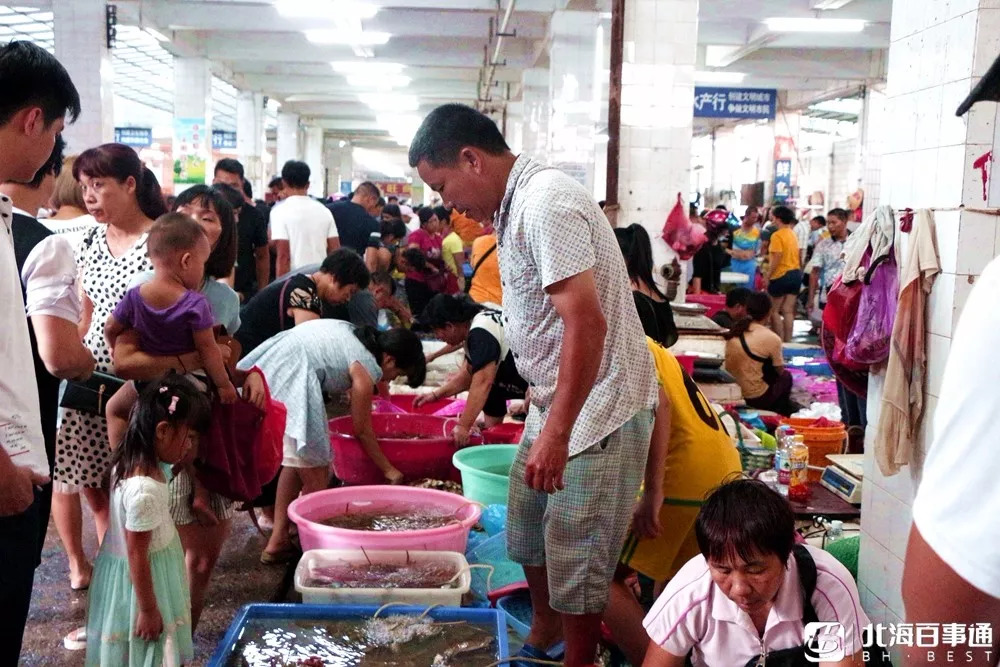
{"x": 549, "y": 228}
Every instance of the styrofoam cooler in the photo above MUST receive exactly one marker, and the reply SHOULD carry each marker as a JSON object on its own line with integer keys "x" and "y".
{"x": 446, "y": 597}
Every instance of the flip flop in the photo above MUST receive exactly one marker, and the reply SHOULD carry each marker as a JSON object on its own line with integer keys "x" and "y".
{"x": 279, "y": 558}
{"x": 76, "y": 640}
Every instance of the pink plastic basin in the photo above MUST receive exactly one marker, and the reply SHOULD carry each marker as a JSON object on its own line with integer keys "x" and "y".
{"x": 308, "y": 510}
{"x": 405, "y": 401}
{"x": 686, "y": 361}
{"x": 429, "y": 456}
{"x": 714, "y": 302}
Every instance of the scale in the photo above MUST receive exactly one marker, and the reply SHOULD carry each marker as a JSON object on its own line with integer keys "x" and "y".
{"x": 844, "y": 476}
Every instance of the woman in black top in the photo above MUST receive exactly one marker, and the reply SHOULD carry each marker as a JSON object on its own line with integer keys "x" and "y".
{"x": 489, "y": 373}
{"x": 300, "y": 297}
{"x": 654, "y": 310}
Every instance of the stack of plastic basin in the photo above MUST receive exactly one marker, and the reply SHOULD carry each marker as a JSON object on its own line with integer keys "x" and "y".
{"x": 309, "y": 511}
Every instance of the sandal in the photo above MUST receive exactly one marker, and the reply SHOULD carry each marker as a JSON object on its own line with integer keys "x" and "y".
{"x": 76, "y": 640}
{"x": 280, "y": 557}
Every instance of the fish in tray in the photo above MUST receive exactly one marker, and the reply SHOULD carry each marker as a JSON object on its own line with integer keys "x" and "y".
{"x": 428, "y": 574}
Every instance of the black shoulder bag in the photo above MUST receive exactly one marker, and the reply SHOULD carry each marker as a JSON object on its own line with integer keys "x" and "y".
{"x": 770, "y": 372}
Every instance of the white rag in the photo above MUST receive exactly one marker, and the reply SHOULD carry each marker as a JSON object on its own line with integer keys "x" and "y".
{"x": 876, "y": 232}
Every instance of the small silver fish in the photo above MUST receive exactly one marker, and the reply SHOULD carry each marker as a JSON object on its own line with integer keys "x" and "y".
{"x": 444, "y": 659}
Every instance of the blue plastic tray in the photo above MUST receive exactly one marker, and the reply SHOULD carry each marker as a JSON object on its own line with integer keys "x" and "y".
{"x": 322, "y": 612}
{"x": 517, "y": 609}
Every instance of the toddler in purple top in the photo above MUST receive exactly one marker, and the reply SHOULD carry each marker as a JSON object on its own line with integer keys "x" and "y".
{"x": 170, "y": 317}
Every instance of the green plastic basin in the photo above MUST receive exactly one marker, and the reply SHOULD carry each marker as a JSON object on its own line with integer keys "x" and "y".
{"x": 485, "y": 472}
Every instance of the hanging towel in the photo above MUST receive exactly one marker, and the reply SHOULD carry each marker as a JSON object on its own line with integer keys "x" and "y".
{"x": 903, "y": 395}
{"x": 877, "y": 232}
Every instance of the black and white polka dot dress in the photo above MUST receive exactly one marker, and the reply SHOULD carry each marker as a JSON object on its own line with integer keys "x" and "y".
{"x": 82, "y": 450}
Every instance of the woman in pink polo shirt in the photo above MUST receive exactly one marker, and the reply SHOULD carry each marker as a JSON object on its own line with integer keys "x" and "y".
{"x": 752, "y": 591}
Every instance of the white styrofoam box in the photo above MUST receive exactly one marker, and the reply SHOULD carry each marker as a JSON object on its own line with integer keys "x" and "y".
{"x": 447, "y": 597}
{"x": 941, "y": 305}
{"x": 976, "y": 236}
{"x": 938, "y": 348}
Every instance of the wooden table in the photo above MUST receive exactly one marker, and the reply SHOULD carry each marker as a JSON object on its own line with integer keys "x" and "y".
{"x": 823, "y": 502}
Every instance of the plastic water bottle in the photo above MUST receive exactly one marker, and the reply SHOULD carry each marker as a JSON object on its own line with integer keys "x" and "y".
{"x": 798, "y": 458}
{"x": 835, "y": 531}
{"x": 782, "y": 462}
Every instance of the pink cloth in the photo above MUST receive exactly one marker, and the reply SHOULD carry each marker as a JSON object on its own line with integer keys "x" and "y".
{"x": 694, "y": 614}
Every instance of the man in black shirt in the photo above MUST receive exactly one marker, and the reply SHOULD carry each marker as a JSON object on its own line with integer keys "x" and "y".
{"x": 735, "y": 310}
{"x": 356, "y": 224}
{"x": 253, "y": 262}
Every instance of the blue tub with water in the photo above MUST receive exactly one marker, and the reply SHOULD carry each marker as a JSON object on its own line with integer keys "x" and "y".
{"x": 253, "y": 613}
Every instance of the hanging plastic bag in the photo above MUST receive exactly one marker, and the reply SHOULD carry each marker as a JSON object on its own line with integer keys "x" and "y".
{"x": 839, "y": 316}
{"x": 684, "y": 237}
{"x": 871, "y": 336}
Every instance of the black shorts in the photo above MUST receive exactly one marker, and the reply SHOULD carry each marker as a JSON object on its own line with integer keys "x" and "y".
{"x": 790, "y": 283}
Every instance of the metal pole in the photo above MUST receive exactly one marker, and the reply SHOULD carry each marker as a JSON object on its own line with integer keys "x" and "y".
{"x": 611, "y": 207}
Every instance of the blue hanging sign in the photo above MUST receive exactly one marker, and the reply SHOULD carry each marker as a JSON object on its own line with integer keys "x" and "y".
{"x": 136, "y": 137}
{"x": 741, "y": 103}
{"x": 782, "y": 180}
{"x": 223, "y": 139}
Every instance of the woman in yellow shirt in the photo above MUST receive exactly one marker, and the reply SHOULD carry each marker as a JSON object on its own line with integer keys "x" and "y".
{"x": 699, "y": 457}
{"x": 785, "y": 272}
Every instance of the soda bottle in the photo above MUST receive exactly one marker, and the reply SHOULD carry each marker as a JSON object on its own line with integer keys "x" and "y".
{"x": 798, "y": 459}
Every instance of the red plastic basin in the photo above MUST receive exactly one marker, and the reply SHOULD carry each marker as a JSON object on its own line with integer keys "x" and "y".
{"x": 508, "y": 433}
{"x": 417, "y": 458}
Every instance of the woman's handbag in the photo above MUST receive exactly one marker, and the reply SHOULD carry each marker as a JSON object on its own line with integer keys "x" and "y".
{"x": 91, "y": 396}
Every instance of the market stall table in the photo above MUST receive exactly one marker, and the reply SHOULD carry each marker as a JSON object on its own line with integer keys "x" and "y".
{"x": 823, "y": 502}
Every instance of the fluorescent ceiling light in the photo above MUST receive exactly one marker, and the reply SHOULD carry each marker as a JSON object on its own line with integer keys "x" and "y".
{"x": 706, "y": 76}
{"x": 401, "y": 127}
{"x": 366, "y": 68}
{"x": 386, "y": 82}
{"x": 346, "y": 38}
{"x": 389, "y": 102}
{"x": 331, "y": 9}
{"x": 159, "y": 36}
{"x": 814, "y": 25}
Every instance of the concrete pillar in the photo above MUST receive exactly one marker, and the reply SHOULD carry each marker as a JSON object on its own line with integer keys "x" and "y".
{"x": 314, "y": 158}
{"x": 657, "y": 114}
{"x": 192, "y": 122}
{"x": 288, "y": 139}
{"x": 250, "y": 138}
{"x": 81, "y": 46}
{"x": 936, "y": 55}
{"x": 575, "y": 93}
{"x": 536, "y": 110}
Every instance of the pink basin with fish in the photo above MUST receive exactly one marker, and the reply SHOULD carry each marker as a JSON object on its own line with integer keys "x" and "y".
{"x": 419, "y": 446}
{"x": 309, "y": 511}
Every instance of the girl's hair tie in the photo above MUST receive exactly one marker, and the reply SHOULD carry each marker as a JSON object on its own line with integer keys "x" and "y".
{"x": 173, "y": 404}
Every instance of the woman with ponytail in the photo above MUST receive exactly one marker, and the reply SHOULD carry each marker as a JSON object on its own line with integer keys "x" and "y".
{"x": 299, "y": 365}
{"x": 754, "y": 358}
{"x": 488, "y": 374}
{"x": 125, "y": 198}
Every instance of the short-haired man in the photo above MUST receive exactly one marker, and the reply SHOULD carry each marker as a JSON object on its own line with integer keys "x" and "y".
{"x": 52, "y": 302}
{"x": 357, "y": 226}
{"x": 36, "y": 96}
{"x": 275, "y": 191}
{"x": 735, "y": 310}
{"x": 576, "y": 338}
{"x": 253, "y": 259}
{"x": 302, "y": 229}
